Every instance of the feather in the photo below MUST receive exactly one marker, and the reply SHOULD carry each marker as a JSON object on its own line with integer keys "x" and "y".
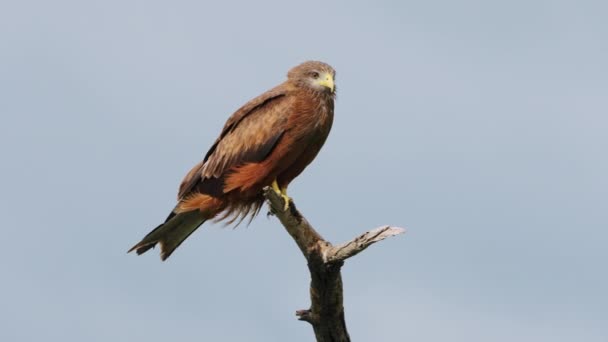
{"x": 170, "y": 234}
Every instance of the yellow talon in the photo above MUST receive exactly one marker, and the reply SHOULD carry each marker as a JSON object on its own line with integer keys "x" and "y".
{"x": 282, "y": 192}
{"x": 275, "y": 187}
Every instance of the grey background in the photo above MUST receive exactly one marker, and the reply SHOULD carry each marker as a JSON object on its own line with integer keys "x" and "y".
{"x": 480, "y": 126}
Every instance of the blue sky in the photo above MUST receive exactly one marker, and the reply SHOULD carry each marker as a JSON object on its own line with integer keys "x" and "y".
{"x": 479, "y": 126}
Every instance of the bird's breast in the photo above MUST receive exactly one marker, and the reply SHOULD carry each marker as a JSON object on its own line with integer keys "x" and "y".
{"x": 311, "y": 120}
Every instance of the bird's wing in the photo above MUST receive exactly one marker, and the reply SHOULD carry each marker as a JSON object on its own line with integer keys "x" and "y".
{"x": 248, "y": 136}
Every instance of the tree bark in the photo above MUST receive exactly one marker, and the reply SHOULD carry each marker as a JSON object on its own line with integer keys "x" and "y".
{"x": 326, "y": 312}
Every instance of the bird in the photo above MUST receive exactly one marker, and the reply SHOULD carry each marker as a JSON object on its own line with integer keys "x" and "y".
{"x": 268, "y": 141}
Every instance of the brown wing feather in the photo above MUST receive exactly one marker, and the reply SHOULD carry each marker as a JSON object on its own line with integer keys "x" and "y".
{"x": 249, "y": 135}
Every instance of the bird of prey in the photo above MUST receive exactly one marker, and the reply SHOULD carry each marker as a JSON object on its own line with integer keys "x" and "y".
{"x": 267, "y": 142}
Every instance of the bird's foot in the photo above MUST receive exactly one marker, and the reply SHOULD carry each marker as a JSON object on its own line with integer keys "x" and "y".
{"x": 287, "y": 199}
{"x": 281, "y": 192}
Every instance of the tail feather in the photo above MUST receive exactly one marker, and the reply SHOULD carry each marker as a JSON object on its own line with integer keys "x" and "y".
{"x": 171, "y": 234}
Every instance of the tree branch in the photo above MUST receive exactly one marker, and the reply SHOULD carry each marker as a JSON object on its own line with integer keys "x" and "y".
{"x": 326, "y": 313}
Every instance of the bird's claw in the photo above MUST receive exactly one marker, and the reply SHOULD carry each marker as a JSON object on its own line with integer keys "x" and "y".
{"x": 287, "y": 200}
{"x": 283, "y": 193}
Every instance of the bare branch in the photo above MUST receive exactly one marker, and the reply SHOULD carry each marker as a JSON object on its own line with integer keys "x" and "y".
{"x": 361, "y": 242}
{"x": 326, "y": 313}
{"x": 296, "y": 225}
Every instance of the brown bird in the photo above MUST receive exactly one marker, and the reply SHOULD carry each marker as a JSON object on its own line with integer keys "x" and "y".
{"x": 267, "y": 142}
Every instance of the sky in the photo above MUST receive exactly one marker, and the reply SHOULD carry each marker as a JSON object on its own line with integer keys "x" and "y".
{"x": 479, "y": 126}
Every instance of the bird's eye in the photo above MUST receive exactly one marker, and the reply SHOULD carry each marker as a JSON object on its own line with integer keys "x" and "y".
{"x": 314, "y": 74}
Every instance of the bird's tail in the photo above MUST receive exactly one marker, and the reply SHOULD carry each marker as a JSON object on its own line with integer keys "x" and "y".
{"x": 187, "y": 216}
{"x": 171, "y": 234}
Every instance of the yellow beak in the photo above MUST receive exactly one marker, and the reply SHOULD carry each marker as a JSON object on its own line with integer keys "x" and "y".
{"x": 327, "y": 80}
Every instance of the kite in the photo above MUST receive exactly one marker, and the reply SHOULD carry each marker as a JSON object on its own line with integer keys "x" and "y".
{"x": 267, "y": 142}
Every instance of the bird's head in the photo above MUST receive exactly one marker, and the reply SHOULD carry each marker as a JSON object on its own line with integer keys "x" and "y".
{"x": 314, "y": 75}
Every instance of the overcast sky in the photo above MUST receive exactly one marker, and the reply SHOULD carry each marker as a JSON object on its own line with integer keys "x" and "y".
{"x": 480, "y": 126}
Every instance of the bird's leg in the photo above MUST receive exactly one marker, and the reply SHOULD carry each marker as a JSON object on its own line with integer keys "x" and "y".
{"x": 282, "y": 192}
